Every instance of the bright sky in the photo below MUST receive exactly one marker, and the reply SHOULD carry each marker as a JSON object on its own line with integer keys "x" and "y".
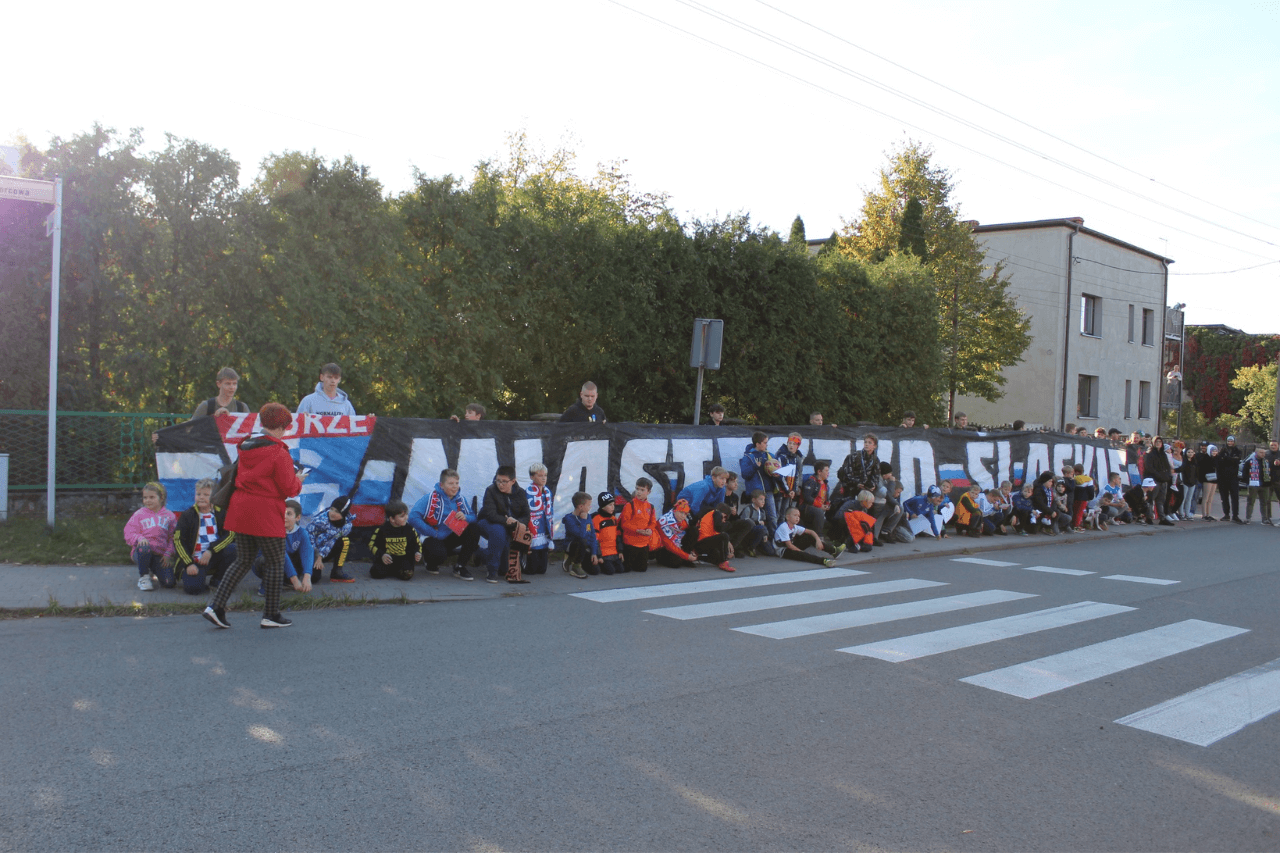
{"x": 1156, "y": 122}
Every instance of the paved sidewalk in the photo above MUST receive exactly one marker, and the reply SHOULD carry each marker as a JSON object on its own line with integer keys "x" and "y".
{"x": 36, "y": 586}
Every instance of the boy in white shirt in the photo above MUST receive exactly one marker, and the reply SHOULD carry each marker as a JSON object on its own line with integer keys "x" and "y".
{"x": 791, "y": 539}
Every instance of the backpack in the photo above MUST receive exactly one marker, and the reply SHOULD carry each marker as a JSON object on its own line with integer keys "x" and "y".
{"x": 226, "y": 485}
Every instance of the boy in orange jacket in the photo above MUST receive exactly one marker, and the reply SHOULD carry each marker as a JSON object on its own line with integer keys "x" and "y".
{"x": 861, "y": 523}
{"x": 638, "y": 522}
{"x": 671, "y": 531}
{"x": 606, "y": 527}
{"x": 713, "y": 538}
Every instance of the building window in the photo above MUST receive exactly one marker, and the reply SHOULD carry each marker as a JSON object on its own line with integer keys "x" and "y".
{"x": 1148, "y": 327}
{"x": 1090, "y": 316}
{"x": 1087, "y": 397}
{"x": 1128, "y": 394}
{"x": 1130, "y": 324}
{"x": 1144, "y": 399}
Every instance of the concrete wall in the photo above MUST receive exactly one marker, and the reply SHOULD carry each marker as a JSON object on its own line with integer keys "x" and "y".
{"x": 1036, "y": 259}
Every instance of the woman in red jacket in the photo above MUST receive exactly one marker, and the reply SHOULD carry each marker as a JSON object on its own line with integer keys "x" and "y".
{"x": 265, "y": 477}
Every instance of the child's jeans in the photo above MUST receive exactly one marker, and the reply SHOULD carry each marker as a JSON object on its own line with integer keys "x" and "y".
{"x": 496, "y": 552}
{"x": 219, "y": 562}
{"x": 150, "y": 563}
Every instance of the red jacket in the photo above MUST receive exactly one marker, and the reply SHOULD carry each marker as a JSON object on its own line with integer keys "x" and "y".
{"x": 637, "y": 515}
{"x": 265, "y": 478}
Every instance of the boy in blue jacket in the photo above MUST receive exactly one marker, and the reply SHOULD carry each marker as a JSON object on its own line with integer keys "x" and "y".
{"x": 582, "y": 548}
{"x": 445, "y": 522}
{"x": 299, "y": 556}
{"x": 758, "y": 467}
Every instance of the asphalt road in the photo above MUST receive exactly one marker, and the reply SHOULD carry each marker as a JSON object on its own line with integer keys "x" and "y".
{"x": 557, "y": 722}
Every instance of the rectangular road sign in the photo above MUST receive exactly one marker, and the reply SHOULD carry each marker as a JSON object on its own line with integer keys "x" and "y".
{"x": 25, "y": 189}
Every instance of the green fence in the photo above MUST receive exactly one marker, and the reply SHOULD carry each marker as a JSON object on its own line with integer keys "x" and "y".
{"x": 96, "y": 450}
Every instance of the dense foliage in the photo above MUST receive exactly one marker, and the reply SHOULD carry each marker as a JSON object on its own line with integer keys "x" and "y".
{"x": 510, "y": 288}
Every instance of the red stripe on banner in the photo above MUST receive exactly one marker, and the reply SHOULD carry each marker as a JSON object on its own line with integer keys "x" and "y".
{"x": 367, "y": 515}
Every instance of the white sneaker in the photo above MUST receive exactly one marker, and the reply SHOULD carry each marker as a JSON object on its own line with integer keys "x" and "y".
{"x": 145, "y": 584}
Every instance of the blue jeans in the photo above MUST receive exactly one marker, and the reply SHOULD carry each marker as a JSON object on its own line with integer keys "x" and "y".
{"x": 150, "y": 563}
{"x": 496, "y": 553}
{"x": 219, "y": 562}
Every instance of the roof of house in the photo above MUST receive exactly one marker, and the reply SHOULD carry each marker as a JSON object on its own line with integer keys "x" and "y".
{"x": 1075, "y": 223}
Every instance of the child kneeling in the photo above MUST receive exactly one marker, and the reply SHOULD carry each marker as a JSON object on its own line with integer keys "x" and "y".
{"x": 394, "y": 545}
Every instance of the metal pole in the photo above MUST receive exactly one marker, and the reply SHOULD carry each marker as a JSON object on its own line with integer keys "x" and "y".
{"x": 702, "y": 365}
{"x": 1275, "y": 421}
{"x": 1182, "y": 367}
{"x": 50, "y": 492}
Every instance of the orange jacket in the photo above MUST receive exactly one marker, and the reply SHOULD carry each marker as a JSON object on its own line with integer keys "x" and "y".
{"x": 606, "y": 533}
{"x": 861, "y": 526}
{"x": 707, "y": 526}
{"x": 966, "y": 509}
{"x": 638, "y": 515}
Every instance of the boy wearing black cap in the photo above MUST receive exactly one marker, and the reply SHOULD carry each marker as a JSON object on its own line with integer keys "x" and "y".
{"x": 607, "y": 530}
{"x": 330, "y": 537}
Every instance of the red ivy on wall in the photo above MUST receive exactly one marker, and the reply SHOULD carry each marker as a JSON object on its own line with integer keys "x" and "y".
{"x": 1212, "y": 360}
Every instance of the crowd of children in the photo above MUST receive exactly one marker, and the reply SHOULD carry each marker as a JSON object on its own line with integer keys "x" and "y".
{"x": 781, "y": 514}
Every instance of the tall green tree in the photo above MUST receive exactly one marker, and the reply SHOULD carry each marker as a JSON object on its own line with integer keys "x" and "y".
{"x": 983, "y": 331}
{"x": 797, "y": 237}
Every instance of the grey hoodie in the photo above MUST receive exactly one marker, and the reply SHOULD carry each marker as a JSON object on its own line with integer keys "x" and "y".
{"x": 318, "y": 404}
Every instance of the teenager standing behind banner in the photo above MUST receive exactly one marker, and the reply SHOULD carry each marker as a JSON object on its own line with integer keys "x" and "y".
{"x": 264, "y": 479}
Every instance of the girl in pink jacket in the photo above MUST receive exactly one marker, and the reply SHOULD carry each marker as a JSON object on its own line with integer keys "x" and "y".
{"x": 149, "y": 535}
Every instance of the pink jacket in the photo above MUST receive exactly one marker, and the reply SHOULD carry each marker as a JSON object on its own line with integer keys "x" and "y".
{"x": 154, "y": 528}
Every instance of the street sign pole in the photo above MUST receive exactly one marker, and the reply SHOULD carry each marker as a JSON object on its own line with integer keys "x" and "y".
{"x": 51, "y": 466}
{"x": 702, "y": 366}
{"x": 708, "y": 339}
{"x": 46, "y": 192}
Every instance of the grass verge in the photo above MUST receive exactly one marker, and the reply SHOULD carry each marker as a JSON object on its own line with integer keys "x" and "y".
{"x": 73, "y": 542}
{"x": 244, "y": 603}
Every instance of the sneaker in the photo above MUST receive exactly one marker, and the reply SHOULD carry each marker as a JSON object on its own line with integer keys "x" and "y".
{"x": 725, "y": 567}
{"x": 216, "y": 615}
{"x": 491, "y": 579}
{"x": 261, "y": 591}
{"x": 433, "y": 570}
{"x": 828, "y": 562}
{"x": 1102, "y": 525}
{"x": 837, "y": 550}
{"x": 567, "y": 565}
{"x": 462, "y": 573}
{"x": 338, "y": 576}
{"x": 145, "y": 584}
{"x": 317, "y": 576}
{"x": 275, "y": 620}
{"x": 1267, "y": 522}
{"x": 1164, "y": 522}
{"x": 578, "y": 573}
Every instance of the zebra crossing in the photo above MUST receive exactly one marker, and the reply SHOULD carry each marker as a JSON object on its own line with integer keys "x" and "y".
{"x": 1202, "y": 716}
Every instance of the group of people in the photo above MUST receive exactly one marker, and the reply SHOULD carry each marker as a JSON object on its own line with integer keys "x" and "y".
{"x": 767, "y": 507}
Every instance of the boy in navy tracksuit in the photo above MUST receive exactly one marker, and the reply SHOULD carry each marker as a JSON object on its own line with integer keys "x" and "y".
{"x": 299, "y": 557}
{"x": 580, "y": 543}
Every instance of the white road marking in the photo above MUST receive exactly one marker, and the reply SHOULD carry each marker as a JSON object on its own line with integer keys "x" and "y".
{"x": 981, "y": 562}
{"x": 964, "y": 636}
{"x": 635, "y": 593}
{"x": 1058, "y": 672}
{"x": 1136, "y": 579}
{"x": 769, "y": 602}
{"x": 876, "y": 615}
{"x": 1207, "y": 715}
{"x": 1052, "y": 570}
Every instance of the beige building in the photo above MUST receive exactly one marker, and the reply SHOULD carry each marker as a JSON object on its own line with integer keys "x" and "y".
{"x": 1097, "y": 310}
